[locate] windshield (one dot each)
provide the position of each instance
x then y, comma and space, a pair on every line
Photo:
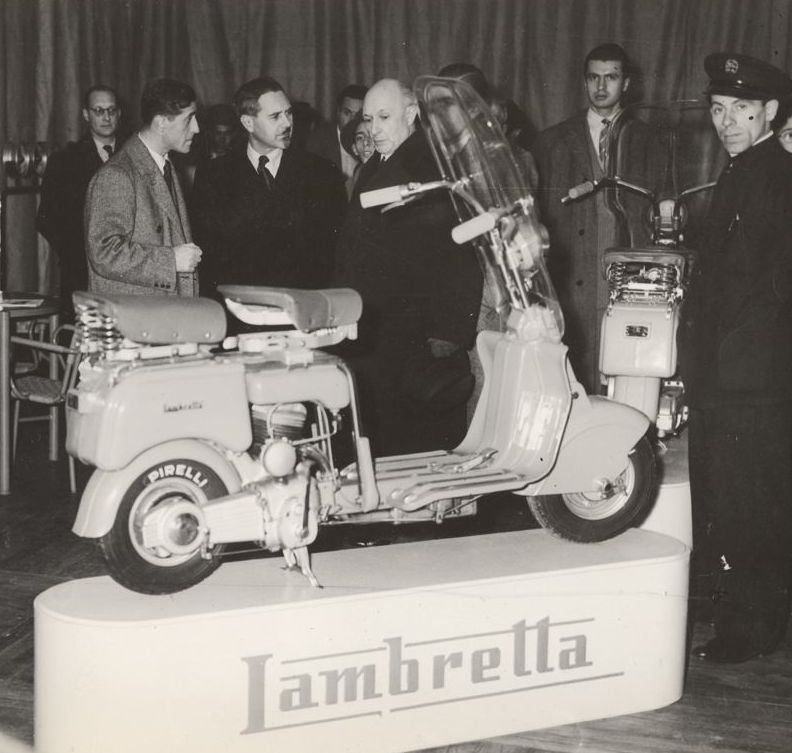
470, 147
667, 148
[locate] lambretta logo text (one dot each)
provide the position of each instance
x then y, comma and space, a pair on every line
398, 676
178, 407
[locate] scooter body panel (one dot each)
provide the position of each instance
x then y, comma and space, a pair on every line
117, 413
275, 382
597, 440
105, 489
524, 405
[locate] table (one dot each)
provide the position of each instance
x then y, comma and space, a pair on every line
49, 307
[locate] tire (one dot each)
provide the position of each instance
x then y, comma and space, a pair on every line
144, 569
578, 517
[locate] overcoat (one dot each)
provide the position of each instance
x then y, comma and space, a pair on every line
132, 225
582, 230
60, 213
282, 236
416, 283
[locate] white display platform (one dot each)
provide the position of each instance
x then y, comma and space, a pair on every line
672, 510
408, 646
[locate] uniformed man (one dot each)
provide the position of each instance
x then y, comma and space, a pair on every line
737, 360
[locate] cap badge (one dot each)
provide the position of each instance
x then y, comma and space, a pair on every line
731, 66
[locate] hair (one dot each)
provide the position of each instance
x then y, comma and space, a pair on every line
98, 88
165, 96
608, 51
470, 75
353, 91
246, 99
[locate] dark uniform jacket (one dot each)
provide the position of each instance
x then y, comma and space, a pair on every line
60, 214
737, 344
251, 234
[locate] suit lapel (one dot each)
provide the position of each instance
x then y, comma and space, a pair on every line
583, 150
148, 168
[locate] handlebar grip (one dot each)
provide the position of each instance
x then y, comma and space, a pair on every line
577, 191
380, 196
471, 229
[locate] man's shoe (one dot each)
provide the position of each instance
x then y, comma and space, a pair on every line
724, 651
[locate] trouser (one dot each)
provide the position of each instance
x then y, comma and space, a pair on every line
741, 486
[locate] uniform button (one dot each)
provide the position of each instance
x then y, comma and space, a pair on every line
579, 283
581, 231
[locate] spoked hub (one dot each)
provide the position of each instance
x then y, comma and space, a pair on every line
167, 525
609, 499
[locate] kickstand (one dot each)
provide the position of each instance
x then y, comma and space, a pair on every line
300, 559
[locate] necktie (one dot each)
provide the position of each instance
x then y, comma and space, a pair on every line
171, 181
168, 172
109, 149
265, 174
603, 141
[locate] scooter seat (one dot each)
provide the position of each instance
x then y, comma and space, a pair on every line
307, 310
158, 320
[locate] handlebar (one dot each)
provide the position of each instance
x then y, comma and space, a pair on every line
588, 187
395, 194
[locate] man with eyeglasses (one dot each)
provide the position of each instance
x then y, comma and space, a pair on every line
63, 188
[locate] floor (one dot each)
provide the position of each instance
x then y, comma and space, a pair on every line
729, 709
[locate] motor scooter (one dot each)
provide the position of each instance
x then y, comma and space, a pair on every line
201, 440
648, 282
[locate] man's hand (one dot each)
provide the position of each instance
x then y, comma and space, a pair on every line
442, 348
187, 257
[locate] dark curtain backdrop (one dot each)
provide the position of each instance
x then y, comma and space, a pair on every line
52, 50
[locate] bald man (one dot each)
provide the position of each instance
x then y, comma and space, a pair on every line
421, 292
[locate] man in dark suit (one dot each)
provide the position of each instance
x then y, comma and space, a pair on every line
737, 359
568, 154
65, 182
267, 214
421, 292
325, 139
137, 231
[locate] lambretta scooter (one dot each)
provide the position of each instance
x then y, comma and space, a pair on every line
201, 440
648, 282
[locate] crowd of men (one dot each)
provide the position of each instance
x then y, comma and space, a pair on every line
261, 211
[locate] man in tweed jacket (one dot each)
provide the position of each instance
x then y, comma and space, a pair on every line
138, 237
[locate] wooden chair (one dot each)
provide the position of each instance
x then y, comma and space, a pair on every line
64, 345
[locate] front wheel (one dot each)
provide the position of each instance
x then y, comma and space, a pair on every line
154, 546
597, 517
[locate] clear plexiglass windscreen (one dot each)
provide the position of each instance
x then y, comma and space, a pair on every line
667, 148
469, 145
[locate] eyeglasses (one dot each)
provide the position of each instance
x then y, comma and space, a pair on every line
361, 138
785, 136
111, 112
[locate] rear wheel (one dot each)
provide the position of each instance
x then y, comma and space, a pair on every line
602, 515
154, 546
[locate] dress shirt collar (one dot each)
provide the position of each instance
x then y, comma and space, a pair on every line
160, 159
273, 159
100, 148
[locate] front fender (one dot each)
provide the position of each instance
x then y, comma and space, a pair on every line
105, 489
597, 440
